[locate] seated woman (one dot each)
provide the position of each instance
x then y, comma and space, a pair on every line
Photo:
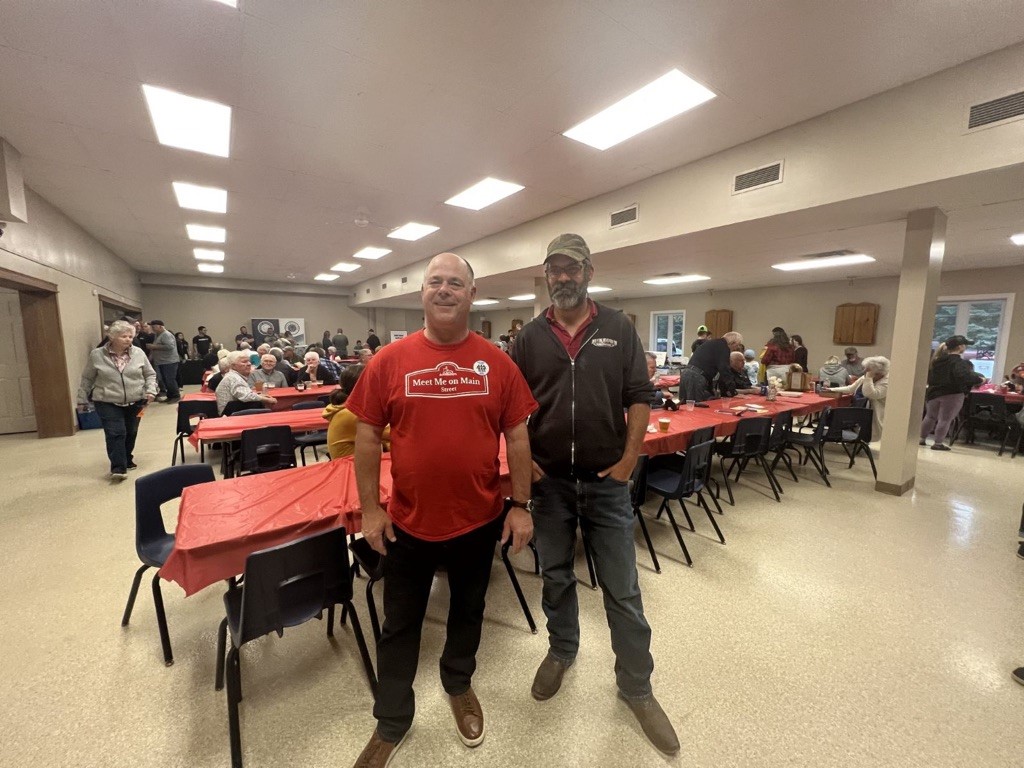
832, 373
341, 429
874, 385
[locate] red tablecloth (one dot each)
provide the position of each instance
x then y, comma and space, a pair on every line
668, 381
1010, 397
286, 396
231, 427
684, 423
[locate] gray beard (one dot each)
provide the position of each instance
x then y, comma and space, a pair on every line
568, 296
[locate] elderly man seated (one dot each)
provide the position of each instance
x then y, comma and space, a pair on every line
234, 387
315, 370
739, 382
267, 373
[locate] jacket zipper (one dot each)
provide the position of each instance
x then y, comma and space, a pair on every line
572, 377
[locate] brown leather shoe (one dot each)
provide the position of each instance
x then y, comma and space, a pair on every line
654, 722
548, 679
469, 717
377, 753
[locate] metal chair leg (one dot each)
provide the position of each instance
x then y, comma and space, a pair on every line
364, 654
711, 517
768, 475
725, 476
686, 514
647, 538
679, 537
132, 595
161, 620
234, 696
371, 606
222, 637
516, 586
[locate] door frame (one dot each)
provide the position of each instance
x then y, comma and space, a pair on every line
1004, 327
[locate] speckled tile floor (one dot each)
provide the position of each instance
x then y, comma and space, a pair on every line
840, 628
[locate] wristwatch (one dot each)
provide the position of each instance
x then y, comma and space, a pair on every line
527, 505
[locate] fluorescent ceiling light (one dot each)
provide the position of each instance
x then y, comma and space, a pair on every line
413, 231
597, 289
656, 102
198, 198
208, 254
523, 297
204, 234
1017, 239
371, 253
326, 277
673, 279
189, 123
206, 267
825, 261
484, 302
484, 193
232, 3
345, 266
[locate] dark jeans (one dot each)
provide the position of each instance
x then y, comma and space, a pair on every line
169, 373
408, 574
693, 386
604, 512
120, 426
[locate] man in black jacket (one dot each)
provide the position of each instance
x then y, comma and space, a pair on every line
696, 382
586, 366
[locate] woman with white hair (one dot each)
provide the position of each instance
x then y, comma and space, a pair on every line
119, 381
874, 385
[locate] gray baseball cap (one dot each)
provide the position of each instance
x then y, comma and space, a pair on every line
573, 246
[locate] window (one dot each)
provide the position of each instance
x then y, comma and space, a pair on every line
985, 320
667, 329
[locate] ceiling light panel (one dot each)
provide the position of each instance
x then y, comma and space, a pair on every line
523, 297
197, 198
371, 253
484, 302
203, 234
189, 123
231, 3
208, 254
1017, 239
326, 277
484, 193
673, 279
668, 96
597, 289
824, 262
345, 266
212, 268
413, 231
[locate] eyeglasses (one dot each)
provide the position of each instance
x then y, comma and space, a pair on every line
569, 270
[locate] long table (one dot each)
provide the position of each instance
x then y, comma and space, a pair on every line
286, 396
231, 427
683, 423
1009, 397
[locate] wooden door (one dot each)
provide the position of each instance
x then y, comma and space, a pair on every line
855, 323
17, 413
718, 321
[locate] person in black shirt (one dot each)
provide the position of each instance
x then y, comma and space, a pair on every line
703, 334
373, 341
710, 360
741, 384
201, 343
242, 335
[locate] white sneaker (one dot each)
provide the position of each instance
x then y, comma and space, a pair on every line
119, 475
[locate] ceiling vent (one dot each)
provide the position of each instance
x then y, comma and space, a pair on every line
626, 216
405, 280
764, 176
996, 110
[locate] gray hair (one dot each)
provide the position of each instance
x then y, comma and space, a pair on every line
831, 360
365, 353
236, 357
223, 365
311, 356
732, 337
263, 349
878, 363
118, 327
244, 345
278, 353
651, 356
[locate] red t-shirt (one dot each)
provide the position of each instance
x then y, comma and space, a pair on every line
447, 407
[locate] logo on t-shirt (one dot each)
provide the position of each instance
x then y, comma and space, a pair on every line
481, 367
447, 380
602, 342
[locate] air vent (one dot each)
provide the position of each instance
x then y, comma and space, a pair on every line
405, 280
367, 291
625, 216
383, 286
996, 110
764, 176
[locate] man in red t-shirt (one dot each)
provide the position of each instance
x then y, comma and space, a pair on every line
448, 396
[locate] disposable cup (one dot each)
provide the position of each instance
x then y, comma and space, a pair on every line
663, 424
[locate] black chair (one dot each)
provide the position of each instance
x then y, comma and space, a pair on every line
682, 481
241, 408
782, 429
284, 586
307, 405
813, 445
987, 411
749, 442
188, 410
312, 440
267, 449
325, 399
851, 428
153, 543
512, 573
637, 496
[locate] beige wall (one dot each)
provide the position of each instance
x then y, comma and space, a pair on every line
52, 247
807, 309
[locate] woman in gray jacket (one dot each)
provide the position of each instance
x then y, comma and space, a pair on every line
120, 382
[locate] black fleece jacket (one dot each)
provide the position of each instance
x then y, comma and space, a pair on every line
951, 375
580, 427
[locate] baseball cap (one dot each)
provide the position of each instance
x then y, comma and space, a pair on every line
958, 341
850, 351
573, 246
702, 329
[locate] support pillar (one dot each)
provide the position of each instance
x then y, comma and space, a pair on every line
923, 249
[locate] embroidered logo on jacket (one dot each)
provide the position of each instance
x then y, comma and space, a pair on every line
446, 380
604, 342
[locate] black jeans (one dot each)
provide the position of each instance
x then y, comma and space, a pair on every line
169, 374
120, 426
408, 574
